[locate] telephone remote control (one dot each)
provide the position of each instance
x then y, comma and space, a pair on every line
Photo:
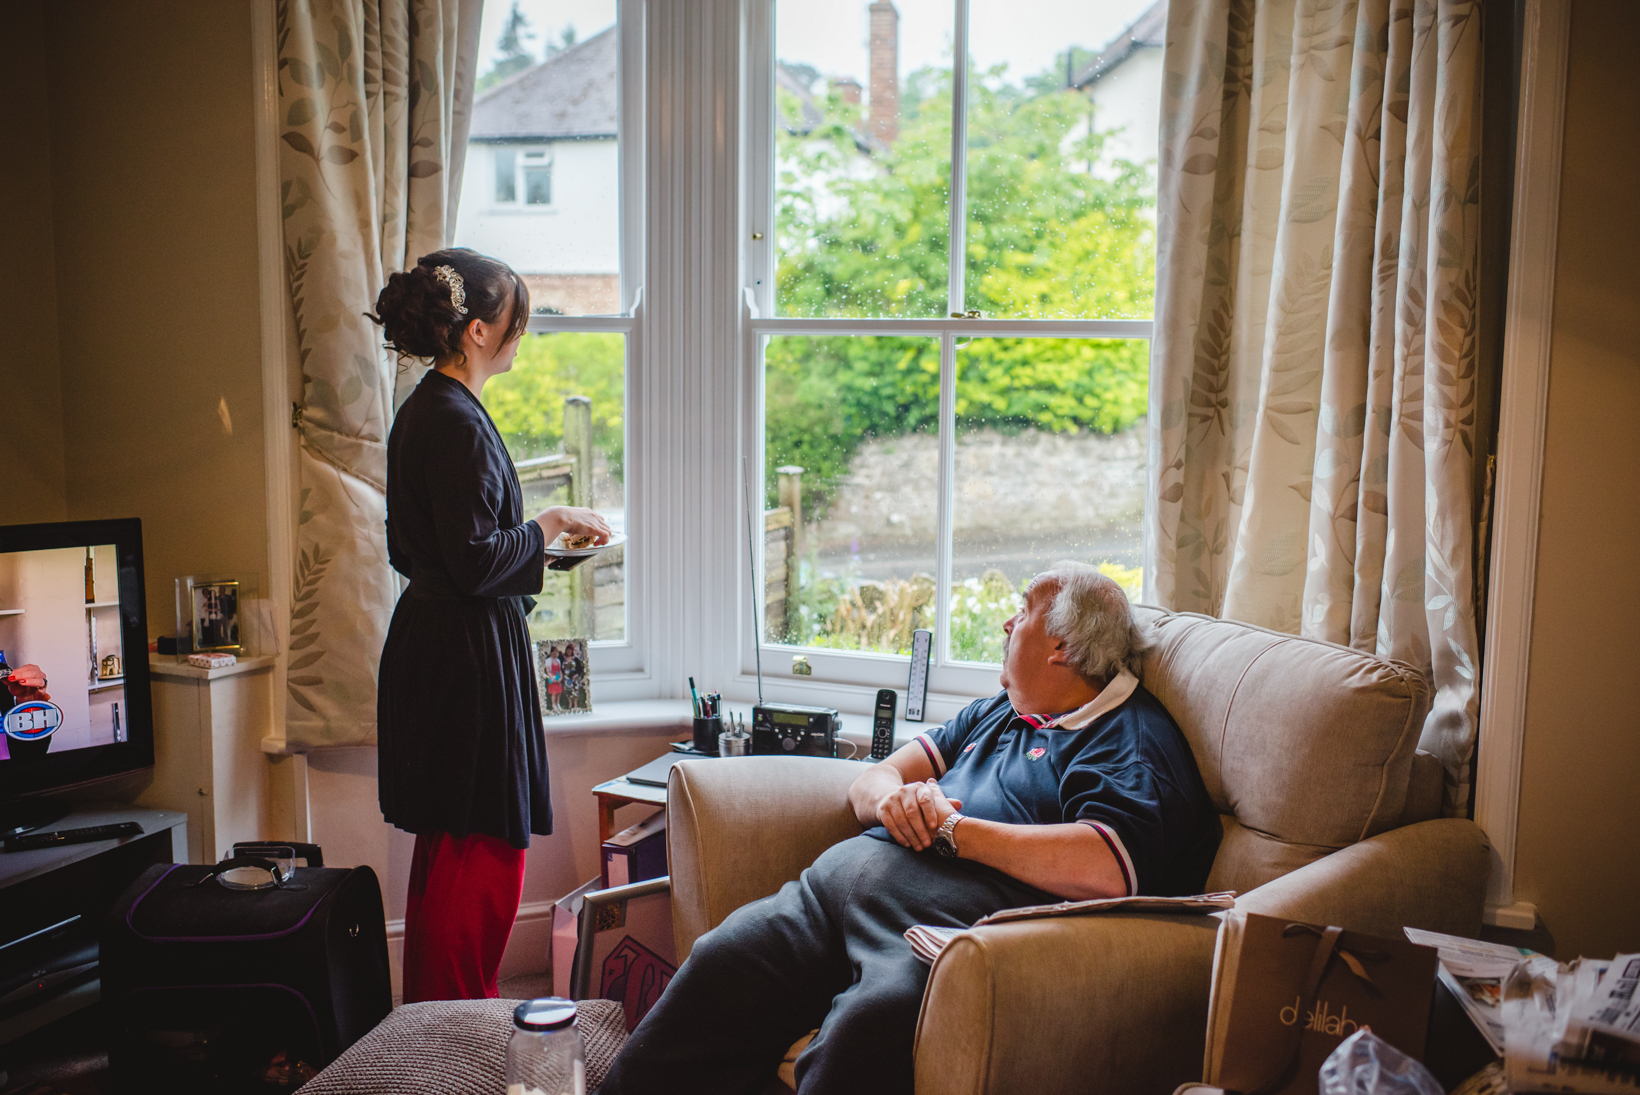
882, 724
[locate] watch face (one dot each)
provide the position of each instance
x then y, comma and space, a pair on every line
945, 846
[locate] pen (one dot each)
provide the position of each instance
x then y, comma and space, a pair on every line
694, 698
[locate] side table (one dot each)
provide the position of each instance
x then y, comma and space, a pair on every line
618, 792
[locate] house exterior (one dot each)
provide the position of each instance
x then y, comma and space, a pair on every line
541, 188
1124, 82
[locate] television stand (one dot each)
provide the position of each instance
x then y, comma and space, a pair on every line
52, 905
32, 813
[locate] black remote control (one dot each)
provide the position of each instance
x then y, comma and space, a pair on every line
30, 841
882, 724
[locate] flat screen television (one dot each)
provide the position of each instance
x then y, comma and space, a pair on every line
71, 602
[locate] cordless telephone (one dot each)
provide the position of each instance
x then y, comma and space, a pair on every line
882, 724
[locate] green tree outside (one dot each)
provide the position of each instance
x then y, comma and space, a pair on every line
527, 403
515, 55
1047, 237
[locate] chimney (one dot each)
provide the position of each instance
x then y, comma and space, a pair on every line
883, 120
847, 89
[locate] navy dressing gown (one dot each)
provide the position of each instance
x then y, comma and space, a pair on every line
460, 747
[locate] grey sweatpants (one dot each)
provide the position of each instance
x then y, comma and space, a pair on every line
827, 951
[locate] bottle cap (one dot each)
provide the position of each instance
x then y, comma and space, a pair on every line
547, 1013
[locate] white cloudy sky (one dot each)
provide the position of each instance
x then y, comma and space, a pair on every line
1024, 34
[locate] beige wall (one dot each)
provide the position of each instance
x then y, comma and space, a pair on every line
31, 442
154, 204
1578, 856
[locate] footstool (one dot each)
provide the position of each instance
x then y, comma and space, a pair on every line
456, 1047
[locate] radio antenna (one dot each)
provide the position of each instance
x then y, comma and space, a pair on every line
751, 560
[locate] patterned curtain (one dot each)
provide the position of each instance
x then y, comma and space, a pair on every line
1313, 387
374, 102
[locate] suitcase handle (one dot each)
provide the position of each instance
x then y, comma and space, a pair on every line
248, 861
310, 852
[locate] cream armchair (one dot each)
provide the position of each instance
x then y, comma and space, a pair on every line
1329, 814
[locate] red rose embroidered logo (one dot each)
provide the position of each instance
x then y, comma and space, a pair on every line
1037, 754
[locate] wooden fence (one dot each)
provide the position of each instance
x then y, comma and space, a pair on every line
598, 592
782, 548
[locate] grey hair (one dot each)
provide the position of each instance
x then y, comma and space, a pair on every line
1091, 615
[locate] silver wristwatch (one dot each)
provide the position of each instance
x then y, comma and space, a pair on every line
945, 842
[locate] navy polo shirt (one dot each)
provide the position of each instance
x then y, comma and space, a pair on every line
1120, 764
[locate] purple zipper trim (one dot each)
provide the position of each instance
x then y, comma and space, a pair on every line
132, 911
312, 1018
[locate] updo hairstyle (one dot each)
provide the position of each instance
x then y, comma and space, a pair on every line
419, 318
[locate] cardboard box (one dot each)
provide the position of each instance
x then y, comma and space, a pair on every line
636, 853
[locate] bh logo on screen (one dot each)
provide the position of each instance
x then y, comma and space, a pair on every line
32, 720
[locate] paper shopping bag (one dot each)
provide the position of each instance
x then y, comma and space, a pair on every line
1285, 993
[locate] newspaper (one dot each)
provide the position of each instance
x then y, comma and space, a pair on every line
1604, 1016
1474, 972
927, 940
1540, 1006
1572, 1028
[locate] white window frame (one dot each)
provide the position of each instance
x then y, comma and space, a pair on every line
619, 666
546, 158
837, 674
520, 152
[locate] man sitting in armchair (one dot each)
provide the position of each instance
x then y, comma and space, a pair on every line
1074, 782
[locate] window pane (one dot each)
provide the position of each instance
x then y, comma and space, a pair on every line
852, 437
556, 382
862, 158
1063, 109
538, 185
1050, 465
549, 79
506, 175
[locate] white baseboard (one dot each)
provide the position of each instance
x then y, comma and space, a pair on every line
528, 950
1521, 915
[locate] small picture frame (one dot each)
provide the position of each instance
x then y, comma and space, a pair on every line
564, 676
215, 609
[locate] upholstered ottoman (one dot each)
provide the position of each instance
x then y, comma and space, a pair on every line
456, 1047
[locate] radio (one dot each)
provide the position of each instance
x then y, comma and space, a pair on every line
792, 730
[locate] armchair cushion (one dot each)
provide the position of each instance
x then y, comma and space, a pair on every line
1306, 746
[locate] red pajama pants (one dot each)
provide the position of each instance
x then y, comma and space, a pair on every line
463, 899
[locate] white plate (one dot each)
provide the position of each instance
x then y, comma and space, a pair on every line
581, 553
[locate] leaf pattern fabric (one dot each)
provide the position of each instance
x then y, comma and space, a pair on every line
374, 102
1313, 371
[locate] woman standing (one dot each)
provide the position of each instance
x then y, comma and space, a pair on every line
461, 755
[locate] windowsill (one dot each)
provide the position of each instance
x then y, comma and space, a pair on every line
520, 210
648, 716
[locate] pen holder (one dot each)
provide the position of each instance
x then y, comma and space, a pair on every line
706, 734
733, 744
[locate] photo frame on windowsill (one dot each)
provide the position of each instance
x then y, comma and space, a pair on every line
564, 676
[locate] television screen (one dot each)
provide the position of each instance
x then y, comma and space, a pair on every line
60, 612
71, 611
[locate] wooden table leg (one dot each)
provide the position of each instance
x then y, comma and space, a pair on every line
607, 805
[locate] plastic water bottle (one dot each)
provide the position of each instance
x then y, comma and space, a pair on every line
544, 1054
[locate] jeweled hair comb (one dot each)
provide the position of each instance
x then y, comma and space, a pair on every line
458, 288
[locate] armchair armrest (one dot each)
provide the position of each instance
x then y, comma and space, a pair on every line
1074, 1004
738, 828
1123, 1000
1429, 875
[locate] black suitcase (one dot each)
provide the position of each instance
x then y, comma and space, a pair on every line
207, 988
